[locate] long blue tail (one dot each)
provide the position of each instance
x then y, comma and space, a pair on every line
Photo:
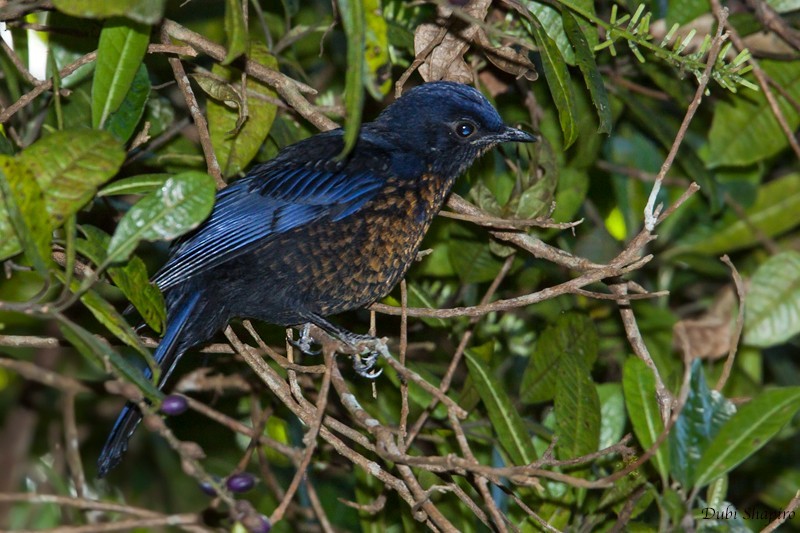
169, 351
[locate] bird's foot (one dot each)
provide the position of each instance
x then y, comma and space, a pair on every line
305, 342
371, 349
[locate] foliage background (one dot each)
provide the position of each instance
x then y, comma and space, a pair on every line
638, 391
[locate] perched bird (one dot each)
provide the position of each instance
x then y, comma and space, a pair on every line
310, 234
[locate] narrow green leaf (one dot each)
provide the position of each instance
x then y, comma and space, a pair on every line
506, 421
639, 387
558, 80
353, 20
573, 333
612, 414
584, 55
181, 204
744, 129
236, 138
145, 11
703, 414
775, 211
552, 24
122, 46
377, 62
577, 408
122, 122
130, 277
747, 431
140, 184
25, 212
100, 353
69, 165
235, 31
772, 306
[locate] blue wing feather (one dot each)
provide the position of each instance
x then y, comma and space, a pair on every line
276, 197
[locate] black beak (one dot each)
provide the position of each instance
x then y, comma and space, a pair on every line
509, 134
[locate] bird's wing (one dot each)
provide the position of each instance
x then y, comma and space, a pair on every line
272, 199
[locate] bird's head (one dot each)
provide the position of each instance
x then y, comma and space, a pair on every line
448, 124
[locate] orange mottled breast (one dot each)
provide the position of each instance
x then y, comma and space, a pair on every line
382, 238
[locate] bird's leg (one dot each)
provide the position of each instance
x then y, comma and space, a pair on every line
305, 342
369, 348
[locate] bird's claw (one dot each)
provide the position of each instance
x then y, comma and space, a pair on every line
305, 342
364, 365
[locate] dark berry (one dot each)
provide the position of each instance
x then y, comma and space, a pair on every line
241, 482
174, 405
208, 489
258, 524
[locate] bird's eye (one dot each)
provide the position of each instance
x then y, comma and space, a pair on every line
465, 129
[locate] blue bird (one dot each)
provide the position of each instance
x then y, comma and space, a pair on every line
309, 234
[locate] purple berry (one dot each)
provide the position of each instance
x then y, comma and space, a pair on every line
260, 525
241, 482
208, 489
174, 405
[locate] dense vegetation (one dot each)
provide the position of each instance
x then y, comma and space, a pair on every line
555, 365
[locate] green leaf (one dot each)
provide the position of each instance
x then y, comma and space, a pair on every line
181, 204
577, 408
235, 144
145, 11
122, 46
772, 306
746, 432
25, 213
354, 22
584, 55
639, 387
506, 421
744, 130
122, 122
472, 261
776, 210
70, 165
130, 277
558, 80
702, 416
552, 24
573, 333
612, 414
235, 31
98, 352
377, 62
140, 184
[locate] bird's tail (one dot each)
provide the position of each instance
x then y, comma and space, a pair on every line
169, 351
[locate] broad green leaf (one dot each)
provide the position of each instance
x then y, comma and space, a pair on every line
130, 277
746, 432
235, 31
506, 421
236, 144
69, 165
684, 11
577, 408
772, 306
539, 186
776, 210
140, 184
639, 387
703, 414
572, 333
23, 211
377, 62
354, 23
100, 353
122, 122
122, 46
181, 204
612, 414
584, 56
472, 261
784, 6
146, 11
558, 80
744, 130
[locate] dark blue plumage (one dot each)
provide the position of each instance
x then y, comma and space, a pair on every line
309, 234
